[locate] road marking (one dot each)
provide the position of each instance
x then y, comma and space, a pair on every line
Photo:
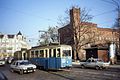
88, 72
93, 73
107, 74
78, 71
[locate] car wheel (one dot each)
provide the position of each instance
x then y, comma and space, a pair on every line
97, 67
82, 66
34, 70
11, 70
105, 67
101, 68
21, 72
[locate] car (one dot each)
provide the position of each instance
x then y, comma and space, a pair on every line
22, 66
10, 60
2, 62
94, 63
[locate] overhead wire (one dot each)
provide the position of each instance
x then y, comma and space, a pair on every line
28, 14
104, 13
109, 2
47, 18
116, 3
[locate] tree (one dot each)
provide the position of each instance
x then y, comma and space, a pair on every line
62, 21
116, 4
83, 32
84, 35
49, 36
53, 32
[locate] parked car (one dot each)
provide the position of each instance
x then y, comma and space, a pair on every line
22, 66
2, 62
95, 63
10, 60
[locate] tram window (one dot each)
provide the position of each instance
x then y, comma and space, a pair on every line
54, 52
58, 52
36, 53
50, 53
41, 53
66, 53
32, 54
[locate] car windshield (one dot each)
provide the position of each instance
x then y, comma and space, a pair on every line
66, 53
100, 60
25, 63
1, 60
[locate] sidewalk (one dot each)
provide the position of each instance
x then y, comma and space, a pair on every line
115, 66
75, 63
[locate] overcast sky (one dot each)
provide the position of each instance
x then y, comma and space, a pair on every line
30, 16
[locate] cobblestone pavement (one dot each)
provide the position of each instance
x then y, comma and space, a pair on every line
76, 73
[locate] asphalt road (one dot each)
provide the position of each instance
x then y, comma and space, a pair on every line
76, 73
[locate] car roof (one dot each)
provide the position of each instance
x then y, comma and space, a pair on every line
21, 61
95, 58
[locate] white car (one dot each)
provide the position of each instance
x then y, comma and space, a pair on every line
10, 60
95, 63
22, 66
2, 62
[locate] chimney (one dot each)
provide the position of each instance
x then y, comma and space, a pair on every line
75, 16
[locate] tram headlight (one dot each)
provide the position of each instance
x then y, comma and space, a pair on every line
67, 62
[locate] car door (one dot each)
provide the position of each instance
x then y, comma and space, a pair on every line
88, 63
17, 66
13, 65
93, 63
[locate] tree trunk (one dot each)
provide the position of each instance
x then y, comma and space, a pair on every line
75, 55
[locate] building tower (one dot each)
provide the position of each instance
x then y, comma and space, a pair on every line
75, 16
75, 25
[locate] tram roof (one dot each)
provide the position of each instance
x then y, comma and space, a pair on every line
49, 46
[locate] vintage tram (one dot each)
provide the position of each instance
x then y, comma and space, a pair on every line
51, 56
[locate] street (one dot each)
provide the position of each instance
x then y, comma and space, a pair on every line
76, 73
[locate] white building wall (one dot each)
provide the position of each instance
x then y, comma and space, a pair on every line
10, 45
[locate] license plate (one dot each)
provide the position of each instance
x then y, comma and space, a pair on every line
30, 71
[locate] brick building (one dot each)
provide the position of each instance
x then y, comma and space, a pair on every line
84, 34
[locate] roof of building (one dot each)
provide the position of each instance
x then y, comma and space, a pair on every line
97, 48
1, 35
82, 23
10, 36
89, 23
19, 33
104, 29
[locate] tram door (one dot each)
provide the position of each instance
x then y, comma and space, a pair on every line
23, 55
